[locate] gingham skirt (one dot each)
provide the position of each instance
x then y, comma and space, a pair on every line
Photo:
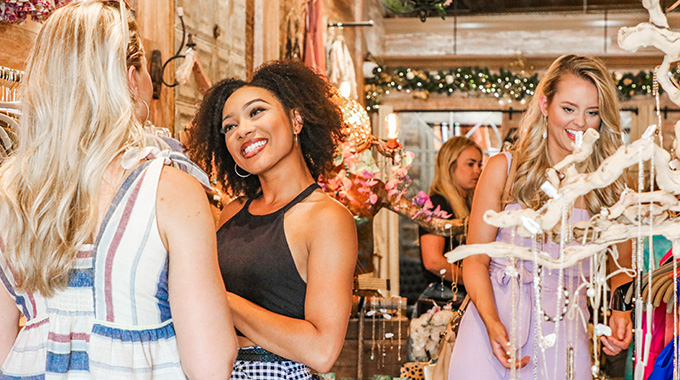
266, 370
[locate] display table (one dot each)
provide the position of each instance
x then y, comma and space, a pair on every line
388, 353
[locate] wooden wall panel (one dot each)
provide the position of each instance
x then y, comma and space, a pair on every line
17, 42
156, 19
219, 29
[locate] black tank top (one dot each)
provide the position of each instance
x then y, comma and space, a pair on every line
256, 261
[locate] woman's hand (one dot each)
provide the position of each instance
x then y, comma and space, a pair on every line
620, 321
622, 333
500, 345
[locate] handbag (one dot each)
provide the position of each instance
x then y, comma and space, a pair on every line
440, 369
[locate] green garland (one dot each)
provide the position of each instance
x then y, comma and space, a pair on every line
504, 85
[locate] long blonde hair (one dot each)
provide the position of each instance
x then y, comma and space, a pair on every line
531, 150
446, 184
78, 115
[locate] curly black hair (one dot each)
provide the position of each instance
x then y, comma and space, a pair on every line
297, 87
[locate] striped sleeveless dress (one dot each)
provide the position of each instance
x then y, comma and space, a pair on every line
113, 321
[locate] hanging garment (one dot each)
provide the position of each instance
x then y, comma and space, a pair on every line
341, 66
293, 36
315, 56
663, 366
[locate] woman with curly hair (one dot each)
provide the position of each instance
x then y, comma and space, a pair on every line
287, 250
577, 93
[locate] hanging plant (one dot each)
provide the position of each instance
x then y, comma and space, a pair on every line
423, 8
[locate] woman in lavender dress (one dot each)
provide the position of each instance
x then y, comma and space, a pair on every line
575, 94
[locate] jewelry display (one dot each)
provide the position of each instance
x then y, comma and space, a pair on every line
399, 314
371, 313
511, 270
381, 342
570, 363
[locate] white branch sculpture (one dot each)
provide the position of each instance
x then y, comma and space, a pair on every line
607, 231
655, 33
635, 215
656, 15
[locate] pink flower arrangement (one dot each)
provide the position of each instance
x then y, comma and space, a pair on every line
358, 182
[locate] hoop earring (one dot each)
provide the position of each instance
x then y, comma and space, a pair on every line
147, 110
239, 174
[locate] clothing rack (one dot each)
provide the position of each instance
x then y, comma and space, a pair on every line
350, 24
665, 110
10, 109
10, 77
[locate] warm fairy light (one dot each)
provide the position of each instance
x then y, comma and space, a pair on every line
345, 90
392, 127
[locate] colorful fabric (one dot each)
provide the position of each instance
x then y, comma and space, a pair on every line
662, 323
315, 51
663, 366
113, 320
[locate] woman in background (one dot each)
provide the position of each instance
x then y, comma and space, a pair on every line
576, 94
457, 169
107, 252
287, 250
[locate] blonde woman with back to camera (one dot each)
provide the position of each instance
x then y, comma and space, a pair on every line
576, 93
108, 254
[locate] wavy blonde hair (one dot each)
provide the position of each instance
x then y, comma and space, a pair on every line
444, 183
78, 115
531, 149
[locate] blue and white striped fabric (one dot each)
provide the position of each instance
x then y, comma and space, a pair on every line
113, 321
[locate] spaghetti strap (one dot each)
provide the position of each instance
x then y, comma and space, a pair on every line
508, 157
304, 194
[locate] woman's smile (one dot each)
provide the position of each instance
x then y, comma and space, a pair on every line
253, 147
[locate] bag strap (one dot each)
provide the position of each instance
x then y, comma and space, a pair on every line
463, 305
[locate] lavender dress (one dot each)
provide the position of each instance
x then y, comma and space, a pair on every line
472, 357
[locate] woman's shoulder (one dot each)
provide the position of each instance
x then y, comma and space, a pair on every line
178, 191
321, 214
323, 205
494, 176
499, 164
327, 225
